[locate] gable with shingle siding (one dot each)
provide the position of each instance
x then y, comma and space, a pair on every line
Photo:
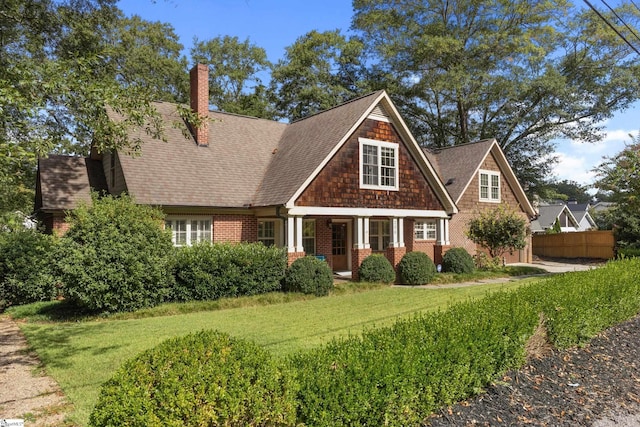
338, 184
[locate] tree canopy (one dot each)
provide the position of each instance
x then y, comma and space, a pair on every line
525, 72
619, 176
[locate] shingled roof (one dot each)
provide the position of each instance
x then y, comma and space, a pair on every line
457, 165
64, 182
179, 172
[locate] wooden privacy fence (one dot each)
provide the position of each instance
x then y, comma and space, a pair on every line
583, 244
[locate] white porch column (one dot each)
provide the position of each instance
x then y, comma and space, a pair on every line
397, 232
359, 233
291, 229
299, 247
367, 244
443, 231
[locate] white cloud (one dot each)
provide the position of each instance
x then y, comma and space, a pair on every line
574, 168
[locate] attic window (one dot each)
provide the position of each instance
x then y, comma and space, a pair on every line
378, 165
489, 186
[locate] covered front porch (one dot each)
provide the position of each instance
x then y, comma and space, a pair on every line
344, 237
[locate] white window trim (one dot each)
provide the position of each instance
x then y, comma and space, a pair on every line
422, 226
275, 231
188, 219
379, 145
489, 175
313, 222
380, 235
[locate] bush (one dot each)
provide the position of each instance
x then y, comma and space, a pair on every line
309, 275
416, 268
376, 268
399, 375
457, 260
628, 252
116, 257
26, 268
484, 262
207, 272
206, 378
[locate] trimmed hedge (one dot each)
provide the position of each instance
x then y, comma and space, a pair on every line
400, 374
206, 378
309, 275
394, 376
458, 260
27, 272
416, 268
208, 272
115, 256
376, 268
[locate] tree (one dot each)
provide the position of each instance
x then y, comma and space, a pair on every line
319, 71
620, 175
525, 72
235, 85
59, 65
498, 230
568, 190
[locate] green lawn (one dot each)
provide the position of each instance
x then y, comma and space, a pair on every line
82, 355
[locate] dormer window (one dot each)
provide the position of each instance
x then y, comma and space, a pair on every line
378, 165
489, 186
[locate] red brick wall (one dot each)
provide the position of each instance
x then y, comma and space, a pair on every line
394, 255
470, 205
292, 256
235, 228
338, 184
357, 256
323, 240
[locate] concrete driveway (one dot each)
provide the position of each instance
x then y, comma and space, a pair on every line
565, 265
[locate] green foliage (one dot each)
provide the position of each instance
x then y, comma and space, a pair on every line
399, 375
628, 252
234, 82
207, 378
620, 175
208, 272
308, 275
116, 257
416, 268
376, 268
457, 260
484, 262
467, 71
498, 230
319, 71
26, 268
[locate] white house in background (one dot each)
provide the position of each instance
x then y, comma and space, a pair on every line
550, 214
582, 215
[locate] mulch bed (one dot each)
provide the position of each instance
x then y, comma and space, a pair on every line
573, 387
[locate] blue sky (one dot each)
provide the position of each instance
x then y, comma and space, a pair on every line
276, 24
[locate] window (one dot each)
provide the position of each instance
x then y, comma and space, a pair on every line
425, 230
378, 164
309, 236
187, 231
379, 236
489, 186
267, 232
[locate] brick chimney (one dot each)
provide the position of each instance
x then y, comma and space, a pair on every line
199, 79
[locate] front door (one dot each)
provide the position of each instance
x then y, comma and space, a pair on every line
339, 246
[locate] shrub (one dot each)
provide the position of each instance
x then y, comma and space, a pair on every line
26, 268
207, 378
628, 252
482, 261
398, 375
376, 268
499, 230
116, 257
308, 275
207, 272
457, 260
416, 268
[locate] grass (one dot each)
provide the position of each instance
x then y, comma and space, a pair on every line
83, 351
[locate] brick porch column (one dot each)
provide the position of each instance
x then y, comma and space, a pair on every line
292, 256
357, 256
394, 255
438, 253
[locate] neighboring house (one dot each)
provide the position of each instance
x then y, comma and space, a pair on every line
478, 178
602, 206
342, 184
583, 217
550, 214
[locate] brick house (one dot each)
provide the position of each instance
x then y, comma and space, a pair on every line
342, 183
478, 177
